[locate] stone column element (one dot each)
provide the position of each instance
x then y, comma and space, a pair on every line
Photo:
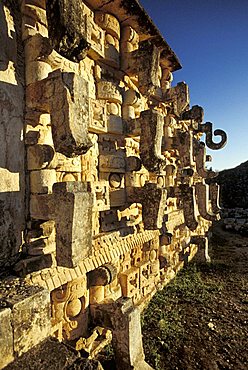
124, 321
202, 253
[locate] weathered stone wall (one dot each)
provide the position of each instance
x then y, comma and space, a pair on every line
12, 158
117, 200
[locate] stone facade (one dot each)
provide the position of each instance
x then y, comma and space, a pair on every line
103, 191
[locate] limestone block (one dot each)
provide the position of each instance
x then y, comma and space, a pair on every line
97, 47
202, 193
70, 206
69, 304
66, 97
6, 338
42, 181
112, 163
187, 195
98, 116
31, 321
100, 191
179, 97
130, 282
69, 28
144, 62
151, 123
127, 337
112, 36
153, 206
109, 23
30, 313
108, 90
34, 18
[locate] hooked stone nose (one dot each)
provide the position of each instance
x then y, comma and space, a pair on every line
207, 128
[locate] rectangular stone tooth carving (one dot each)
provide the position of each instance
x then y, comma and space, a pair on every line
70, 205
65, 96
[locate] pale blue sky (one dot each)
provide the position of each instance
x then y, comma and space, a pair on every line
210, 39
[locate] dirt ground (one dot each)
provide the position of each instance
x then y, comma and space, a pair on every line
200, 320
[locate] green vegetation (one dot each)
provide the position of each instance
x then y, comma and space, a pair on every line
163, 322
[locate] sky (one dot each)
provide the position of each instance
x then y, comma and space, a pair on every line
210, 38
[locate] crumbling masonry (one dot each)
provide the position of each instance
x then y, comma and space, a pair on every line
103, 185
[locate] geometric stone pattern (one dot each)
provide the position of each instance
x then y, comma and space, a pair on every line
117, 188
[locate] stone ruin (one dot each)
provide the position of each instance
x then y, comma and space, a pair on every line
103, 185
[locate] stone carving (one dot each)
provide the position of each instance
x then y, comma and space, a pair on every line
151, 124
143, 62
112, 36
65, 97
68, 302
207, 128
178, 96
189, 206
116, 200
200, 159
72, 217
69, 28
202, 193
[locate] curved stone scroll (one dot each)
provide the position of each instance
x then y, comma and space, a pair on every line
207, 128
202, 201
189, 206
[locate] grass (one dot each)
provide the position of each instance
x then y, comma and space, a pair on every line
163, 320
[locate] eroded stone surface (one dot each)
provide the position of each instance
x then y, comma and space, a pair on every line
29, 313
117, 196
